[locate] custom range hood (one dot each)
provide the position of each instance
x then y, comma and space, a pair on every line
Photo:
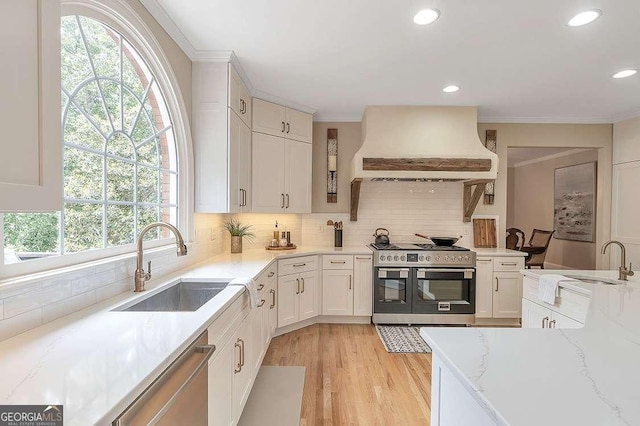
421, 143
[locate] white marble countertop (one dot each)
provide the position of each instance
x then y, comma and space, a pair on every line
95, 361
491, 252
525, 377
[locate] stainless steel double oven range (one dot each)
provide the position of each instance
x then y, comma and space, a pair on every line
423, 284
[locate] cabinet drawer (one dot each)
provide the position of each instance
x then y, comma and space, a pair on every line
572, 304
297, 264
267, 277
508, 263
334, 261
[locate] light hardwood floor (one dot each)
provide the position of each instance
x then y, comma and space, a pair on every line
350, 378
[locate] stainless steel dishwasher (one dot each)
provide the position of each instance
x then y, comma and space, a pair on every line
178, 396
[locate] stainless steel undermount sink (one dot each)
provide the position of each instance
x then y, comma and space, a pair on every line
183, 296
595, 280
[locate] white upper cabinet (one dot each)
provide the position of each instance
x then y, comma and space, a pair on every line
239, 97
277, 120
31, 160
221, 140
297, 160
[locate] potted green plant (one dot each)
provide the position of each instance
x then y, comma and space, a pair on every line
237, 231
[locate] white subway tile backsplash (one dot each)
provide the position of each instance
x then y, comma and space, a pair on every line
113, 289
19, 304
1, 309
20, 323
91, 282
67, 306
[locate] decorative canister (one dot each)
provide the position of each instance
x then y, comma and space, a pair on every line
236, 244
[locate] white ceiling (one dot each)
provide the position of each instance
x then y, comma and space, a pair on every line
517, 60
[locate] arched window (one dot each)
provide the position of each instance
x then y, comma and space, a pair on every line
120, 168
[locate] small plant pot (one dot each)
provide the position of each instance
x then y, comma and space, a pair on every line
236, 244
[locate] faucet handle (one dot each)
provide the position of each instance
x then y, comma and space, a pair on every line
147, 276
630, 270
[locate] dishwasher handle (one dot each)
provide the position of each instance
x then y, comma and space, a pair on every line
196, 349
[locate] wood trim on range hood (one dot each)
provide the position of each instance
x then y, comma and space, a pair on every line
428, 164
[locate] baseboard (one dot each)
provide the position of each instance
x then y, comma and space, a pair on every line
323, 319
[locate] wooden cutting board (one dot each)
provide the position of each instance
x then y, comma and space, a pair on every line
484, 233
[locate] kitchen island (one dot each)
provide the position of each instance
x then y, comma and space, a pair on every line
96, 361
523, 377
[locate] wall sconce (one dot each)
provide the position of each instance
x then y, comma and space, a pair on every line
492, 145
332, 165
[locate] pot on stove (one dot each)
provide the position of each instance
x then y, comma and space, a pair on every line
382, 236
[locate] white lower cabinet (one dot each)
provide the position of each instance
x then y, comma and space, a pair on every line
221, 386
498, 287
568, 311
297, 289
347, 285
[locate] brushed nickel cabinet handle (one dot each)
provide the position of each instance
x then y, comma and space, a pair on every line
483, 260
271, 274
288, 127
552, 324
297, 265
350, 283
509, 264
497, 283
543, 321
261, 304
238, 365
302, 279
282, 201
260, 287
282, 127
362, 258
297, 286
338, 261
287, 202
273, 298
242, 358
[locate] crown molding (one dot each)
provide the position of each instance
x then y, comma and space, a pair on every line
281, 101
338, 118
544, 120
552, 156
165, 21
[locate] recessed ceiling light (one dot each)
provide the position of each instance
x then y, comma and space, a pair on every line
624, 73
426, 16
584, 18
451, 89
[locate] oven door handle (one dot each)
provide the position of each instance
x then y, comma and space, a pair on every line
394, 269
446, 270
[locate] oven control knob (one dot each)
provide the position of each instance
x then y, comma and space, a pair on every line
388, 257
446, 258
403, 258
382, 257
467, 258
437, 259
395, 258
459, 258
421, 258
428, 258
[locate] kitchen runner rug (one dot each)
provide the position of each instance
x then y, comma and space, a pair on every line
276, 397
402, 339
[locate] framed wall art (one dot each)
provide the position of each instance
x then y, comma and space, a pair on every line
575, 202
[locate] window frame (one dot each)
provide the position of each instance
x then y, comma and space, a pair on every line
120, 16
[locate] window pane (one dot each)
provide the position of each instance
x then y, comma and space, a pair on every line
148, 153
82, 175
120, 225
147, 215
148, 185
75, 66
120, 145
103, 45
119, 180
130, 108
78, 130
82, 227
111, 95
90, 102
30, 236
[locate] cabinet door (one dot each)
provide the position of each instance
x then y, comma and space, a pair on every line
337, 292
220, 386
268, 118
244, 168
257, 337
268, 173
308, 299
246, 104
507, 295
297, 177
31, 160
235, 196
299, 125
563, 321
287, 296
239, 100
484, 287
363, 285
243, 366
534, 315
